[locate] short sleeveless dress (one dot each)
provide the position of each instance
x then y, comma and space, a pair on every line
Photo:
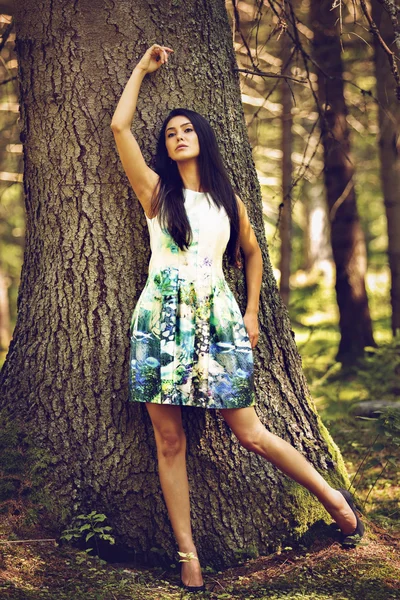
188, 342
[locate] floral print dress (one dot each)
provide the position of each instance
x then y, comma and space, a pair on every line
188, 342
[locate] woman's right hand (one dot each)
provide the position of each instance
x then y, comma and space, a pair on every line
154, 57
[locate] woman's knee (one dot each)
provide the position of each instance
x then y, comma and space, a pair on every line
171, 441
254, 439
168, 429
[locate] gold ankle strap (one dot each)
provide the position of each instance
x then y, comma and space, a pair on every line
187, 556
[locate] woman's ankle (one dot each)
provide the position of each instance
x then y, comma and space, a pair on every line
188, 553
187, 546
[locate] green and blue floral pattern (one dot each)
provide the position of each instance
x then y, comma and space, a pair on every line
188, 343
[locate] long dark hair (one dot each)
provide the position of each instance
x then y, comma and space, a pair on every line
168, 200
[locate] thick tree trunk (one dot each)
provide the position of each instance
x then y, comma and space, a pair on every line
347, 237
389, 149
85, 265
285, 217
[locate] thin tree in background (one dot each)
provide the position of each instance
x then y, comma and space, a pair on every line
317, 244
347, 236
5, 332
11, 213
389, 151
285, 216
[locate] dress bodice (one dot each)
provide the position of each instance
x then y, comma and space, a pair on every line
210, 235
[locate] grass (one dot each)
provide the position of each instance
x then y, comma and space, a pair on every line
317, 568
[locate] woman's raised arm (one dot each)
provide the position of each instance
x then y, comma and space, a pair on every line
142, 179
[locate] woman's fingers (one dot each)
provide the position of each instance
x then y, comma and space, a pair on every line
251, 325
165, 53
162, 50
158, 55
253, 339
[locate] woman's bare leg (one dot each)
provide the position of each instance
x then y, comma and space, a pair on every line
171, 453
252, 434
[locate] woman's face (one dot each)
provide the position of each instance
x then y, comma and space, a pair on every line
181, 139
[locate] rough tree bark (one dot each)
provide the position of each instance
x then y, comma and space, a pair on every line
85, 265
347, 237
389, 150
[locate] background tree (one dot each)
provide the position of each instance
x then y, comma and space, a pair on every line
389, 150
317, 244
84, 267
7, 7
11, 213
285, 221
347, 237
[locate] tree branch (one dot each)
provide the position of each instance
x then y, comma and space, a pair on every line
8, 80
237, 21
393, 12
270, 74
6, 34
391, 55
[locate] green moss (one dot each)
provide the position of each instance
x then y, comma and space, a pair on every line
14, 463
22, 469
339, 477
308, 509
8, 488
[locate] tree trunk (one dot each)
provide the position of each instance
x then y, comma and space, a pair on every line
392, 10
347, 237
7, 7
285, 217
85, 265
317, 245
389, 150
5, 327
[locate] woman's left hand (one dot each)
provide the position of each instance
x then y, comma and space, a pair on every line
251, 323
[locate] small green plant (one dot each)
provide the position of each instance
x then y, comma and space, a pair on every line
389, 422
242, 554
387, 425
89, 527
386, 438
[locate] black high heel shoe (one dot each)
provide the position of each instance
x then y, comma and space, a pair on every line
352, 539
187, 557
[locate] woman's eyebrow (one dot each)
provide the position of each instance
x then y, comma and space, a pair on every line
183, 125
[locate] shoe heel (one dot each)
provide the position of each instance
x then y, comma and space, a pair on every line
352, 539
187, 557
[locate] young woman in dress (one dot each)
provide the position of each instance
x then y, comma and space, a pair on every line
185, 161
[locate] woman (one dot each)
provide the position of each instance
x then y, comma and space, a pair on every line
189, 342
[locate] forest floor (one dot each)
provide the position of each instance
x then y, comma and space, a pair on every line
317, 568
